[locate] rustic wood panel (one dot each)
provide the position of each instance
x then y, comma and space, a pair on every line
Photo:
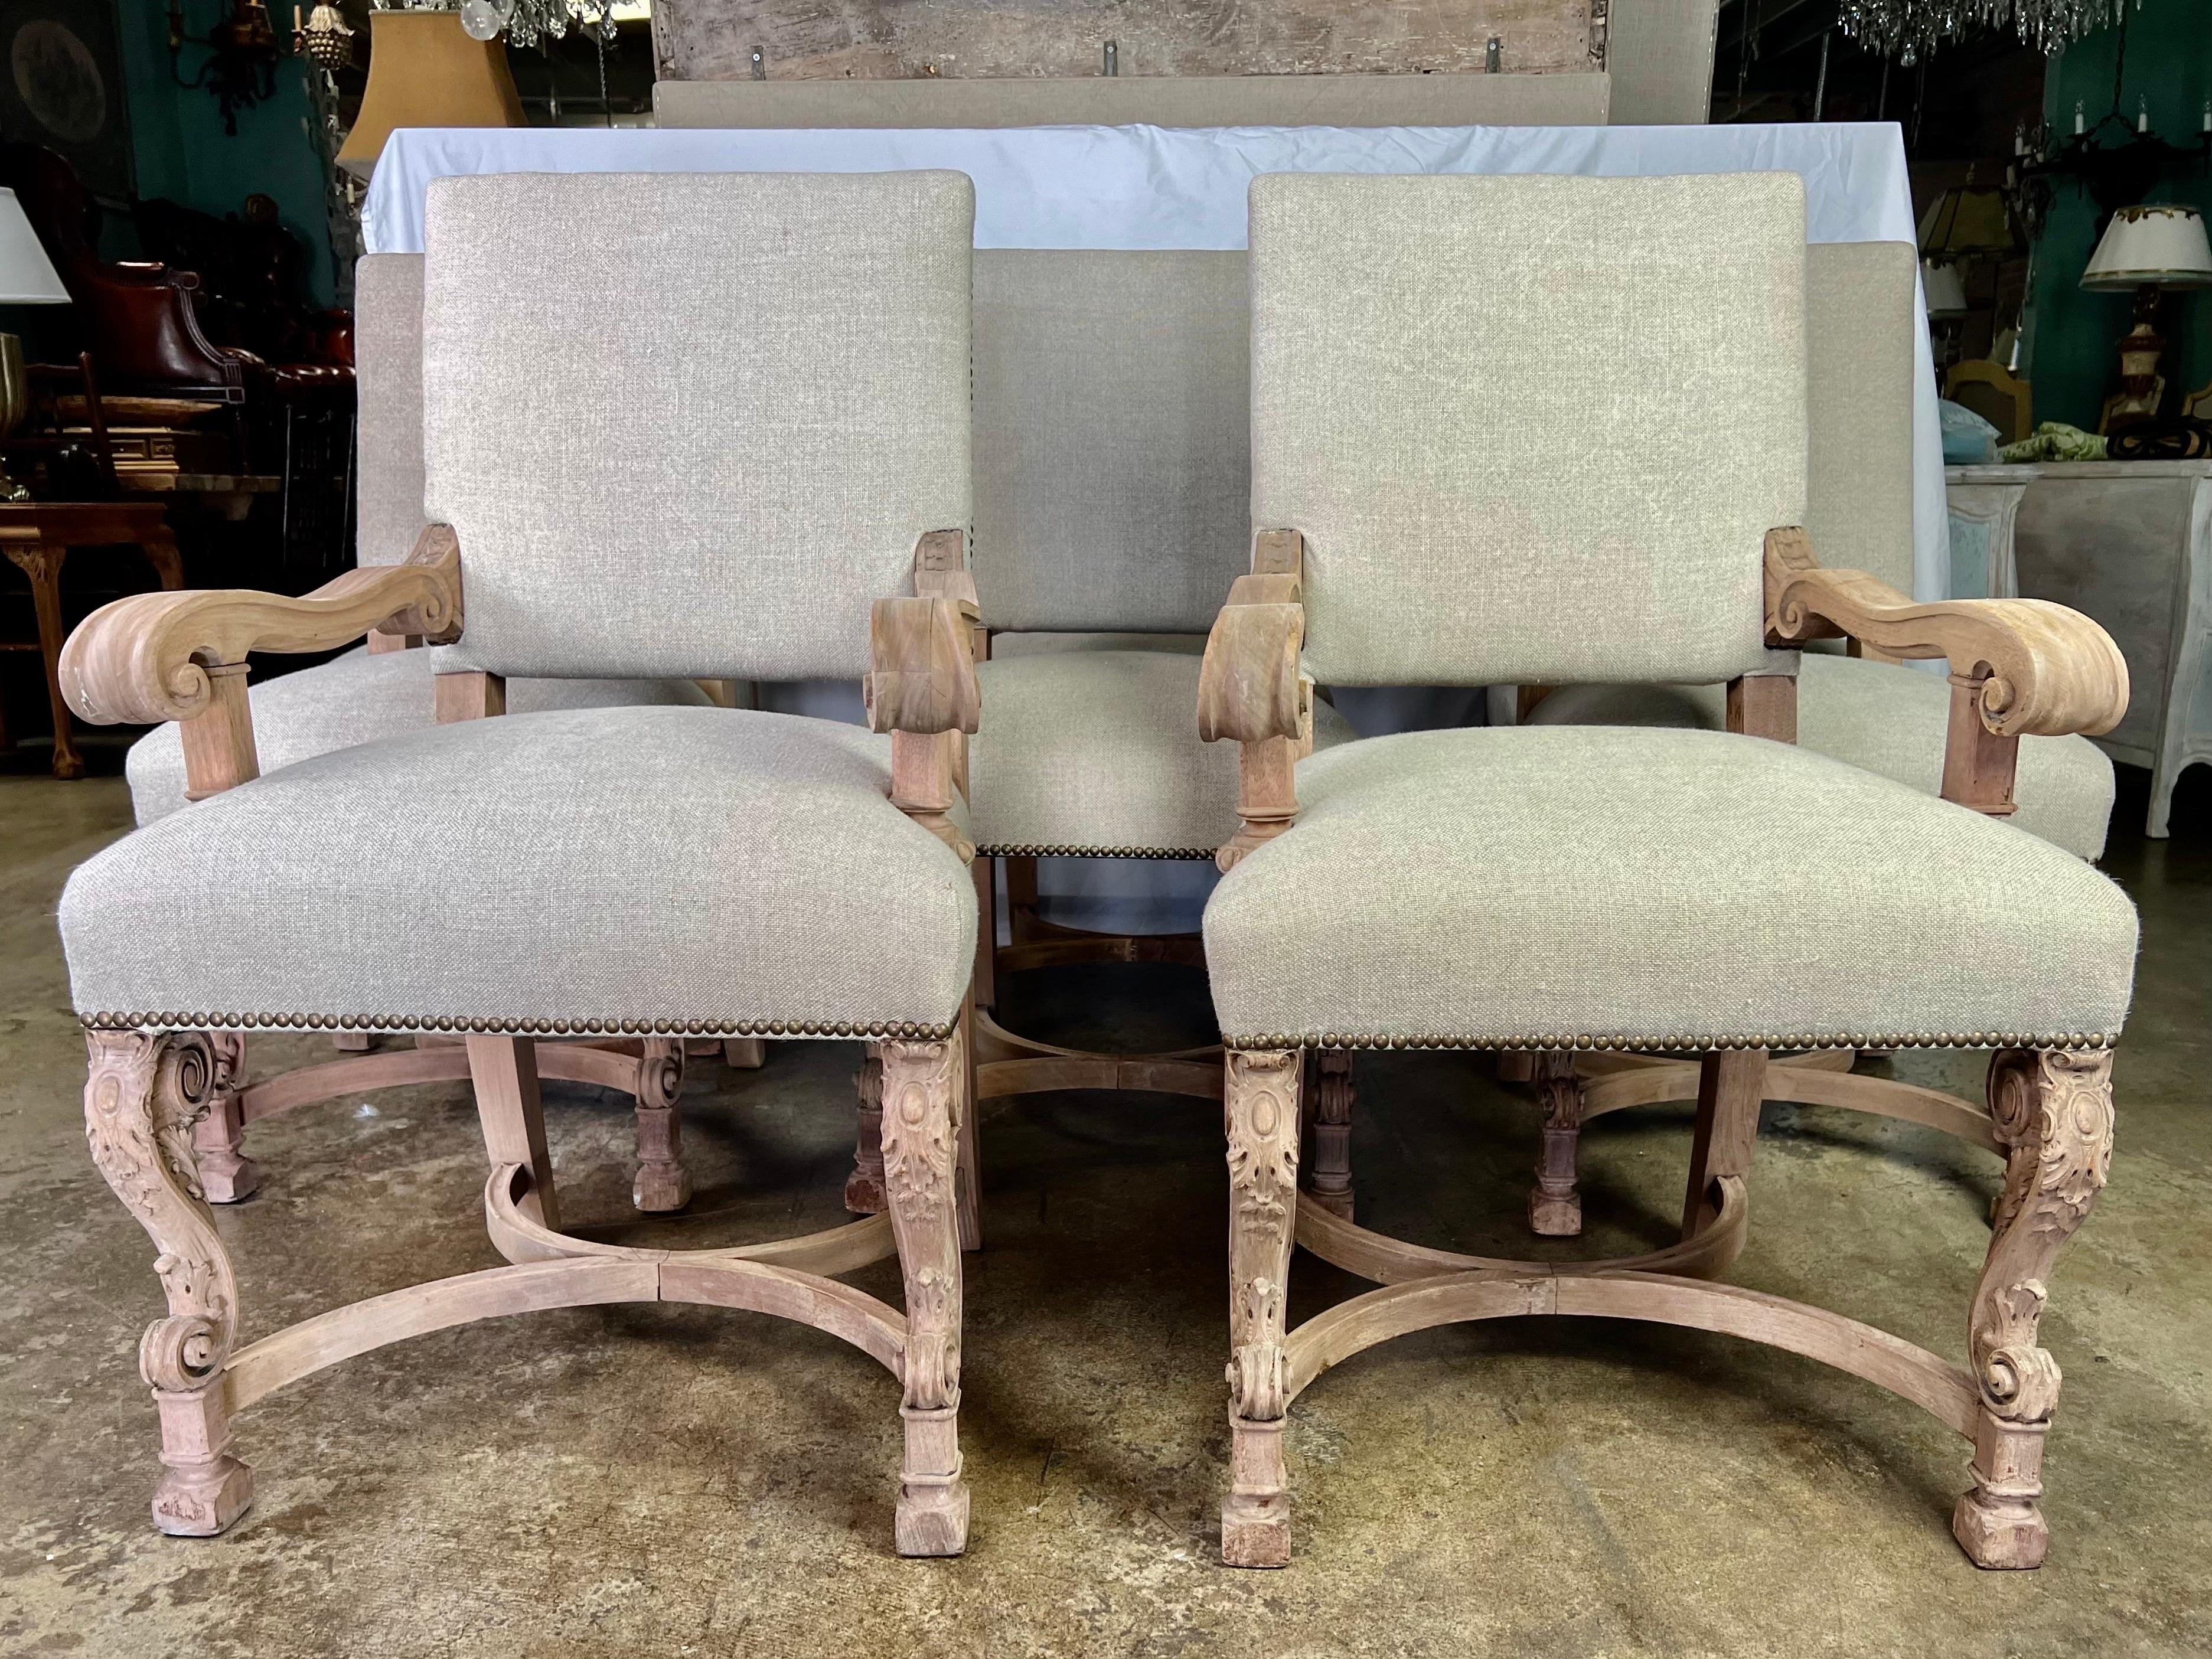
890, 39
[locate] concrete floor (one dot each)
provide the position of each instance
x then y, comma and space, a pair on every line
650, 1480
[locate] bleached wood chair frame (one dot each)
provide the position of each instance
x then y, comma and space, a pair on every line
155, 1077
2018, 667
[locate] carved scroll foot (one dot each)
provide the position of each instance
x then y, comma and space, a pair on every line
1555, 1208
1998, 1522
1260, 1107
1330, 1182
932, 1502
662, 1182
864, 1187
919, 1083
226, 1175
2053, 1112
145, 1096
204, 1488
1255, 1516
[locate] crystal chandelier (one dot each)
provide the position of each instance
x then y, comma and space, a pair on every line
529, 23
1906, 29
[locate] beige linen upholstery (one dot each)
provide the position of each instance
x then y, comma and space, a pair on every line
387, 298
1718, 890
1158, 100
1112, 438
1097, 752
715, 864
1540, 502
1659, 55
621, 516
1862, 319
1885, 719
358, 698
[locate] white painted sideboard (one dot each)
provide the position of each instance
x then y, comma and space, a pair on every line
2128, 543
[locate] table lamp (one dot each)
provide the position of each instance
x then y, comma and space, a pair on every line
2147, 248
425, 72
1945, 292
27, 278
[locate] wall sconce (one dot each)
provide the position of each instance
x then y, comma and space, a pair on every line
241, 67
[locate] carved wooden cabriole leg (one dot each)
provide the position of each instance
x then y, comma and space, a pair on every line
2053, 1111
1555, 1208
226, 1175
1260, 1113
920, 1081
1331, 1180
864, 1187
503, 1071
662, 1182
143, 1095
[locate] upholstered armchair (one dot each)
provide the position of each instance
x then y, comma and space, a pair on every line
382, 691
1439, 503
1112, 409
1861, 316
754, 467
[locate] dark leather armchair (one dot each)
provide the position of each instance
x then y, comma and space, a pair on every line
138, 317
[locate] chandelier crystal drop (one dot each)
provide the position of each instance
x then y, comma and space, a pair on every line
1912, 28
529, 21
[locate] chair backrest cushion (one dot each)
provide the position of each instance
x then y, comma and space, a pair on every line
1534, 429
388, 371
692, 424
1112, 438
1861, 315
1158, 100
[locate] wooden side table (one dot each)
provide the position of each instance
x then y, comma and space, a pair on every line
37, 536
2130, 543
1984, 509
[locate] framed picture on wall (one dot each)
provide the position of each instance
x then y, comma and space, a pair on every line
61, 85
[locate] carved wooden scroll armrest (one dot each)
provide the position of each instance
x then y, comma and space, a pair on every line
181, 655
920, 685
152, 657
1250, 691
2019, 667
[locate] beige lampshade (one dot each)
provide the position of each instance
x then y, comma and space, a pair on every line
1946, 294
424, 71
27, 276
2160, 243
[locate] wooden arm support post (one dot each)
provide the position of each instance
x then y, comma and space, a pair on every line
181, 655
2019, 667
920, 685
1249, 689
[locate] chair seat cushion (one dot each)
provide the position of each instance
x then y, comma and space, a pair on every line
585, 865
1552, 885
1096, 752
356, 698
1887, 719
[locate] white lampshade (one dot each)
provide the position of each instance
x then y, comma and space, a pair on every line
2161, 243
27, 276
1946, 294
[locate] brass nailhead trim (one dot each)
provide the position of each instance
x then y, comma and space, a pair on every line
401, 1025
1064, 851
1675, 1043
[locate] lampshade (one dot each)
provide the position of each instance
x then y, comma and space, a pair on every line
1968, 222
27, 276
2162, 244
424, 71
1946, 294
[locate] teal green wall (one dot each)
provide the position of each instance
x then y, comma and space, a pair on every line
2169, 60
183, 153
